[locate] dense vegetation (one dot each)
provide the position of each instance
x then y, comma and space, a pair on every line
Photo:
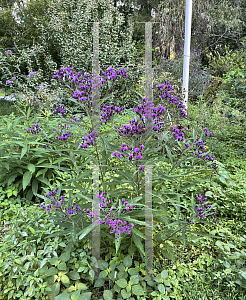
46, 256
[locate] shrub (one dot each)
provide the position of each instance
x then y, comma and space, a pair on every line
197, 76
221, 65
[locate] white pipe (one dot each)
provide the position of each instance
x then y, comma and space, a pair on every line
188, 15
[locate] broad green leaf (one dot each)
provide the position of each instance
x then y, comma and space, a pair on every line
26, 179
75, 295
219, 244
12, 178
31, 168
34, 186
65, 256
164, 274
103, 264
63, 296
99, 282
64, 279
85, 296
125, 294
127, 261
62, 266
74, 275
52, 271
137, 290
161, 288
107, 295
121, 283
134, 280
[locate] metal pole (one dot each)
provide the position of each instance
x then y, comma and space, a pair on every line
188, 15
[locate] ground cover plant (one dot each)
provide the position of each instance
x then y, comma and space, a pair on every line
47, 154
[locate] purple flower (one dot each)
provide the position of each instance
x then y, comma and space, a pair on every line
40, 87
9, 81
31, 54
9, 51
31, 73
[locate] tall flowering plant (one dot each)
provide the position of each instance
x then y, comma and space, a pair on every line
122, 151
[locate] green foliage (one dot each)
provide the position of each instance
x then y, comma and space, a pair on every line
6, 107
23, 164
17, 65
197, 76
32, 265
221, 65
67, 28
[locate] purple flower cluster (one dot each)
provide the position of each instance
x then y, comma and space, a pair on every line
201, 145
163, 93
65, 135
179, 135
135, 127
60, 109
89, 140
86, 81
75, 119
9, 81
31, 54
108, 112
207, 132
57, 204
36, 130
115, 224
134, 155
31, 74
203, 208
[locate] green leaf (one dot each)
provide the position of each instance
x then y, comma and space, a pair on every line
134, 280
63, 296
85, 231
64, 279
51, 271
34, 186
62, 266
137, 290
107, 295
161, 288
23, 152
31, 168
164, 274
138, 243
32, 230
103, 264
65, 256
75, 295
26, 179
85, 296
74, 275
12, 178
99, 282
125, 294
244, 274
138, 232
219, 244
127, 261
121, 283
55, 289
